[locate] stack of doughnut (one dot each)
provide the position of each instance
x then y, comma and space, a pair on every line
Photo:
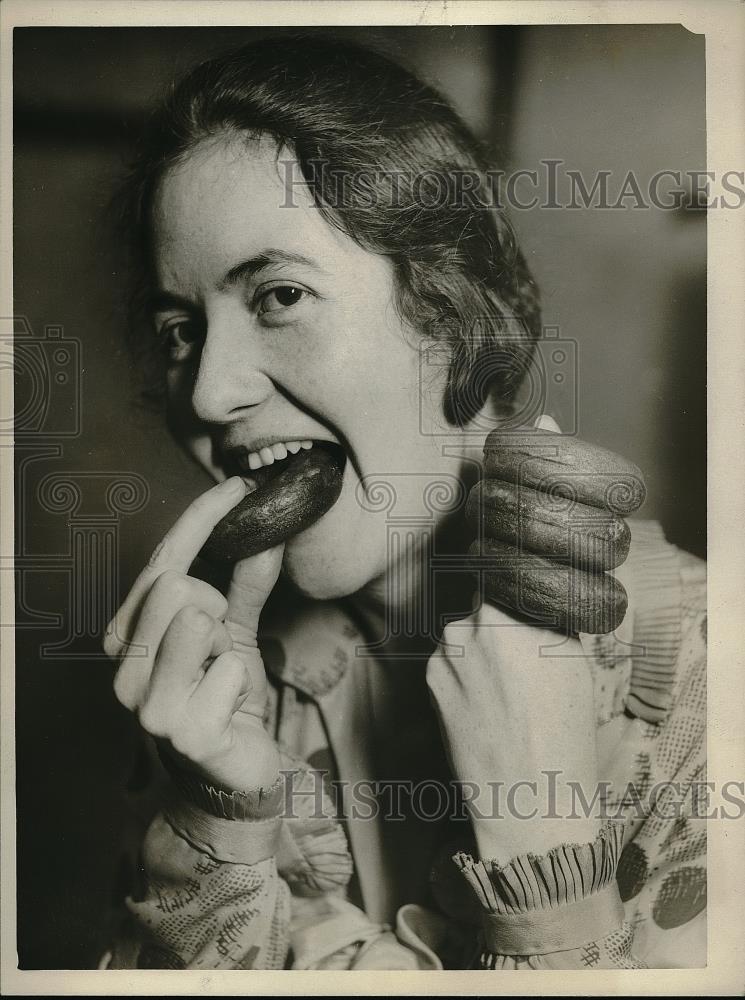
549, 513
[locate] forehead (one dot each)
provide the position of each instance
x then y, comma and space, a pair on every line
231, 198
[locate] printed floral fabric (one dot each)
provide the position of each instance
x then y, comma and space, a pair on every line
334, 887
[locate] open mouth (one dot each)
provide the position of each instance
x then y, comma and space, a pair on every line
258, 468
286, 496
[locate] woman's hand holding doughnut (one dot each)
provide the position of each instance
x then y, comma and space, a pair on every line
189, 665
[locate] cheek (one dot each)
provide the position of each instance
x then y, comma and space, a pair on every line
369, 384
368, 353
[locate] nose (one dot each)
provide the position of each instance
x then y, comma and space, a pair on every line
230, 379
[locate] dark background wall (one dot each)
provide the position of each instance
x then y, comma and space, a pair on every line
625, 288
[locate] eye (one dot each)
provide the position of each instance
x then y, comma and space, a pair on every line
181, 338
280, 297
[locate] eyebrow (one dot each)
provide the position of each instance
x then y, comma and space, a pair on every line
247, 268
162, 300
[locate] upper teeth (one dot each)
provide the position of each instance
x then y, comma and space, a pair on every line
271, 454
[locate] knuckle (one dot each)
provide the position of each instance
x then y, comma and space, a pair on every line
242, 571
243, 574
168, 578
172, 583
241, 636
194, 619
153, 721
188, 743
221, 603
181, 743
223, 637
110, 643
484, 620
453, 634
124, 690
447, 633
161, 552
208, 597
185, 614
231, 661
436, 671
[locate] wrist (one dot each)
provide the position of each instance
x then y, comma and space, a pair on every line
230, 801
502, 839
248, 765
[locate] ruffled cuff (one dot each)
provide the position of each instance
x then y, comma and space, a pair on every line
234, 826
254, 804
293, 821
240, 843
555, 902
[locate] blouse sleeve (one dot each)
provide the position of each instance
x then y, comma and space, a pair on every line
636, 897
220, 870
212, 897
561, 910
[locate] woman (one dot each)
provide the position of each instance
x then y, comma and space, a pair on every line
310, 216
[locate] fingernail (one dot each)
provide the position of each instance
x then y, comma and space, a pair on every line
546, 423
231, 485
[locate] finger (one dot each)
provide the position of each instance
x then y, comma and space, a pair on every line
547, 423
132, 683
176, 675
223, 688
170, 592
252, 581
191, 638
177, 551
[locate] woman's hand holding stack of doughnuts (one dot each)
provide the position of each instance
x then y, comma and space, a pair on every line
516, 703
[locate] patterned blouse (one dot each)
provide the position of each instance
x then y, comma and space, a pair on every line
361, 858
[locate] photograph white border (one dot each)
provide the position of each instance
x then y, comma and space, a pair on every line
723, 23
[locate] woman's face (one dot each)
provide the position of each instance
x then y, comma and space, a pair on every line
281, 328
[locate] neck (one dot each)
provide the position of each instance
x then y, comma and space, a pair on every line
404, 611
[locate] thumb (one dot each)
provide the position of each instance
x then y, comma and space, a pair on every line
546, 423
251, 584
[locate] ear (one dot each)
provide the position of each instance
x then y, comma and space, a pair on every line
495, 412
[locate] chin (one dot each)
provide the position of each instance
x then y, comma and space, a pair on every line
321, 577
323, 567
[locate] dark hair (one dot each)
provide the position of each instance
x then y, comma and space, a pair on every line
402, 155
